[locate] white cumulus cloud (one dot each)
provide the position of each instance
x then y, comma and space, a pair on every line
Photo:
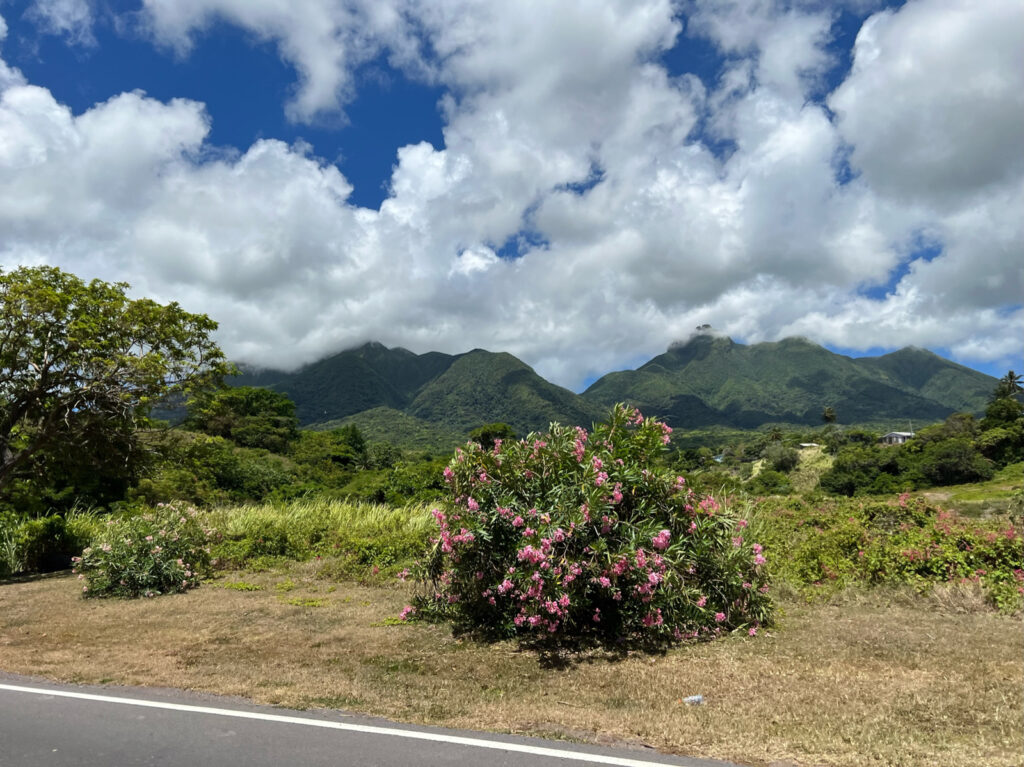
564, 135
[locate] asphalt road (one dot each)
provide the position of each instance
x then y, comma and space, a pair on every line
52, 725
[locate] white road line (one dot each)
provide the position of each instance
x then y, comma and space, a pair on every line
498, 745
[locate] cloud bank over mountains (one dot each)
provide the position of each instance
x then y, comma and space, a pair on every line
588, 205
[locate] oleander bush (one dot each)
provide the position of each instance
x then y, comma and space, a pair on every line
163, 551
568, 535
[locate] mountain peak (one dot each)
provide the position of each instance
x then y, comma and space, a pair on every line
702, 336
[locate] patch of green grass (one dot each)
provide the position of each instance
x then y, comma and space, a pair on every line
1002, 486
391, 620
241, 586
284, 586
303, 601
814, 462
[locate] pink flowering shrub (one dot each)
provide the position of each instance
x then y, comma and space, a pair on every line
159, 552
570, 534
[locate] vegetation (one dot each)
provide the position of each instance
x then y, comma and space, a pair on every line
959, 450
440, 393
491, 434
711, 380
484, 387
44, 544
248, 416
348, 539
567, 535
430, 401
384, 424
80, 367
821, 548
165, 551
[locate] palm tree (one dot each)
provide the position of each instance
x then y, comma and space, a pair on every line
1009, 385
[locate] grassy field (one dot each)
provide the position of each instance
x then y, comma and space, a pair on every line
814, 462
874, 678
982, 498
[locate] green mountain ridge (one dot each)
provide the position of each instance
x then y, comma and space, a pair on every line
484, 387
715, 381
707, 381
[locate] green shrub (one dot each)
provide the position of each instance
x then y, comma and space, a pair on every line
46, 544
780, 457
206, 471
249, 416
953, 462
158, 552
770, 482
43, 544
823, 547
569, 535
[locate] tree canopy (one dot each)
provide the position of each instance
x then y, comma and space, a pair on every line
246, 415
81, 364
487, 434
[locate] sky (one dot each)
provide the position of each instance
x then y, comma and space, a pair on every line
579, 182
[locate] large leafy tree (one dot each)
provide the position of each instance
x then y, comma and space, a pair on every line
81, 364
487, 434
248, 416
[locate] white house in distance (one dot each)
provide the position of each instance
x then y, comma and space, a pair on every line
896, 437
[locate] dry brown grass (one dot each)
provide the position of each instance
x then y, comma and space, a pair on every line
870, 681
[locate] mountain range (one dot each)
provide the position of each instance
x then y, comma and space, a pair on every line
709, 380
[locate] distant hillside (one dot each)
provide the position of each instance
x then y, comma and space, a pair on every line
425, 398
384, 424
483, 387
352, 381
938, 379
714, 381
431, 401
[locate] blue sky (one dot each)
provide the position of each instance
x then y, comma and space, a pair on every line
243, 84
579, 184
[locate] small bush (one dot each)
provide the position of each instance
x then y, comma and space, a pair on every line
566, 535
780, 457
159, 552
44, 544
770, 482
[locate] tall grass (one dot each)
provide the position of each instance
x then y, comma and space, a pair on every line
368, 535
10, 561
